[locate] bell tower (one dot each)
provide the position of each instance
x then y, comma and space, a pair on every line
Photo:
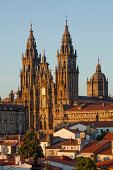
66, 72
30, 63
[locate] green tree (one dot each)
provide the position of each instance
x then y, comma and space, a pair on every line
85, 164
48, 166
101, 136
30, 146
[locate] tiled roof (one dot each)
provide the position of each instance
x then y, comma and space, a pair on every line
70, 142
93, 146
109, 136
60, 144
8, 143
65, 162
110, 167
6, 99
105, 163
91, 107
107, 151
94, 123
67, 151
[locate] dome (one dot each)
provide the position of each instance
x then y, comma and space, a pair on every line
98, 75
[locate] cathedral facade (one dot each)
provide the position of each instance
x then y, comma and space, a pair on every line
45, 99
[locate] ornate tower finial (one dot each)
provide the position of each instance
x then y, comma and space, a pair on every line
66, 19
44, 52
44, 57
31, 24
98, 60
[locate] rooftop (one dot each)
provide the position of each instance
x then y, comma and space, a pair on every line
92, 106
58, 159
94, 146
94, 123
59, 144
109, 136
107, 151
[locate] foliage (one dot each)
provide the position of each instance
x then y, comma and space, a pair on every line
30, 146
85, 164
101, 136
48, 166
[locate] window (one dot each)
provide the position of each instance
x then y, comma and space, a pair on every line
5, 127
20, 117
43, 103
43, 91
64, 64
11, 126
3, 150
101, 130
5, 117
28, 67
11, 117
0, 116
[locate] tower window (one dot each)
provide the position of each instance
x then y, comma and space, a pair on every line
28, 67
43, 103
24, 67
64, 64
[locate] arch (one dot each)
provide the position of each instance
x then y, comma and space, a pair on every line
43, 121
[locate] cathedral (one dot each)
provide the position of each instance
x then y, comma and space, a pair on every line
47, 100
44, 98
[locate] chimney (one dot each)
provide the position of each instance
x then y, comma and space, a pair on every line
19, 138
49, 139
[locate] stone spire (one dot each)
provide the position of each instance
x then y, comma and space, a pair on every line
31, 40
44, 57
31, 45
98, 67
66, 46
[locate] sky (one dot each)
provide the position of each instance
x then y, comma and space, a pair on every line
90, 24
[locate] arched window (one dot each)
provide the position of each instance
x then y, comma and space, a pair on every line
64, 64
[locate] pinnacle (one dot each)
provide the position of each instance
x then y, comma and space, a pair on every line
31, 40
98, 68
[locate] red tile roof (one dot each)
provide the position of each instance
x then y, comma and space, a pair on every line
91, 107
8, 143
109, 136
110, 167
70, 142
59, 145
65, 162
107, 151
105, 163
67, 151
94, 146
94, 123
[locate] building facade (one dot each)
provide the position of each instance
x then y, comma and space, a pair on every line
44, 98
12, 119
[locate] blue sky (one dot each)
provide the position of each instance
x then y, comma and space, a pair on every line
90, 24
